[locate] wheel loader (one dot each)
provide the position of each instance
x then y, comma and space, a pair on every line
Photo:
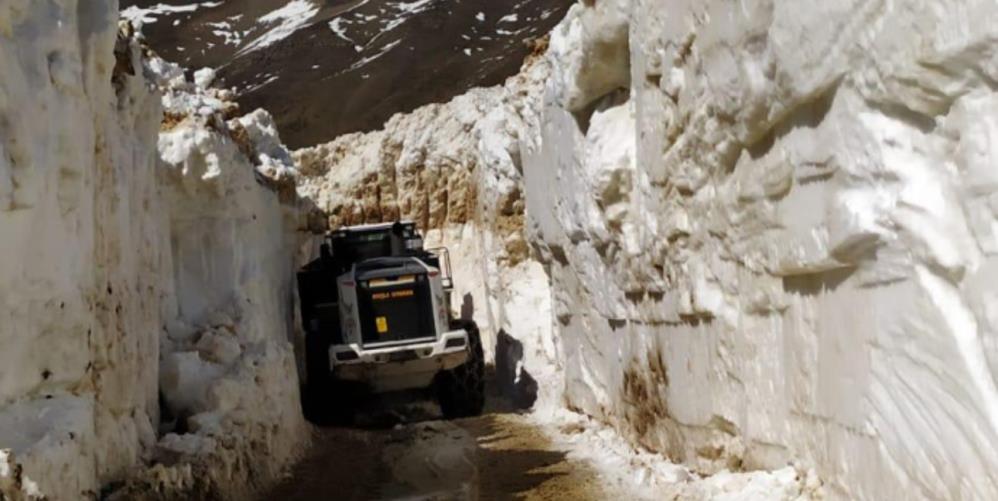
375, 308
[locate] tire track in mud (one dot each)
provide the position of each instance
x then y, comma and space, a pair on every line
498, 456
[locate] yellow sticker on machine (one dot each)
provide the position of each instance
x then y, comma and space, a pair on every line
381, 296
382, 323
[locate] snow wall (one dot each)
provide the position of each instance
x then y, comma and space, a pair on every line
146, 266
746, 235
770, 229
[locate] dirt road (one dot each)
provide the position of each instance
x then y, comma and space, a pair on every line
501, 455
507, 455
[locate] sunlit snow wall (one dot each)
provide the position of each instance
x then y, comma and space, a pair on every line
140, 273
771, 229
80, 250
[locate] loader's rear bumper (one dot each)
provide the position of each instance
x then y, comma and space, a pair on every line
399, 367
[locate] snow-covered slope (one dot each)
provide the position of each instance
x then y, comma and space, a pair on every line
326, 68
770, 233
146, 302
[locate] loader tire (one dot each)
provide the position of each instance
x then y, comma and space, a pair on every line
314, 392
325, 401
461, 391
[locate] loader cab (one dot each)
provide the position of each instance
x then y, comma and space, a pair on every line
346, 247
360, 243
367, 252
375, 308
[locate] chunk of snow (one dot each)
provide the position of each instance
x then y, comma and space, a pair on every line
204, 77
367, 60
337, 26
288, 19
414, 7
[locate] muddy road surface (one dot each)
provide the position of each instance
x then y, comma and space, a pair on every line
500, 455
504, 454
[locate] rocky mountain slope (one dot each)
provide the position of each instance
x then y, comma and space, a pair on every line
325, 68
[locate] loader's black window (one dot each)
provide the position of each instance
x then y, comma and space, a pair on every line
360, 246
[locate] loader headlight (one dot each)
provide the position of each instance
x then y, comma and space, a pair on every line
414, 244
347, 356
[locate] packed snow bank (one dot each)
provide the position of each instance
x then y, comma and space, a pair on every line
79, 220
227, 365
454, 168
645, 474
122, 256
775, 238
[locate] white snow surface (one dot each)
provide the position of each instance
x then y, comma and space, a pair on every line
226, 353
647, 475
79, 219
790, 260
140, 259
204, 77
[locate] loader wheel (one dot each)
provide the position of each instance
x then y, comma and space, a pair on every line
461, 391
324, 400
314, 395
